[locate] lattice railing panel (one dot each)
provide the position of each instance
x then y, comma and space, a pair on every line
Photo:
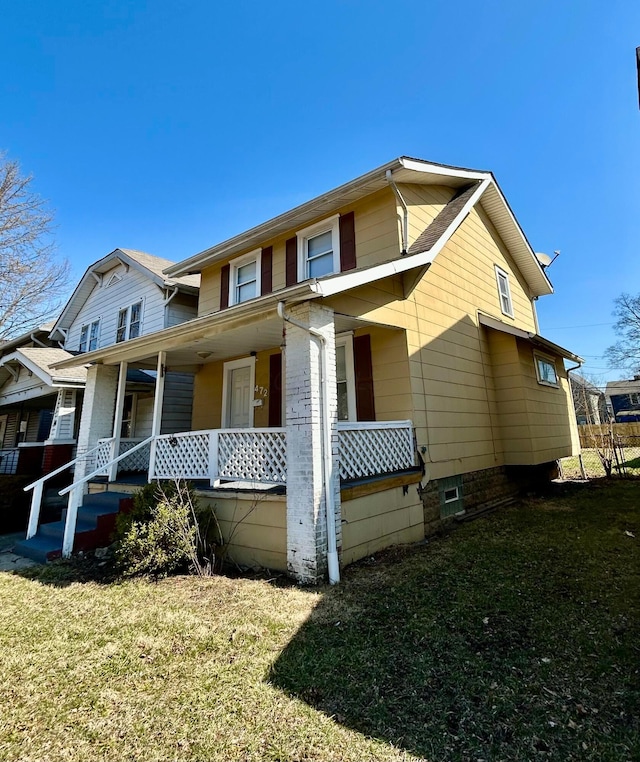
184, 456
254, 456
101, 457
375, 448
137, 461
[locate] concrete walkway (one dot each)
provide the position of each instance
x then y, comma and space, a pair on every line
9, 561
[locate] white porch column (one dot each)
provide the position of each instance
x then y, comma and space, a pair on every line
306, 509
156, 424
117, 418
97, 411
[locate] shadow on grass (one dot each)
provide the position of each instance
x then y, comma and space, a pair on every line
510, 638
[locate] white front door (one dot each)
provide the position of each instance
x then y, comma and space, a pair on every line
237, 394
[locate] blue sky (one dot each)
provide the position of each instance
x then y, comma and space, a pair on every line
169, 126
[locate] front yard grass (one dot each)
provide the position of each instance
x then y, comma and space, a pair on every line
514, 637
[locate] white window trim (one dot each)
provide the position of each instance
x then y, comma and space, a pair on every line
634, 398
88, 327
539, 356
235, 264
330, 224
499, 272
128, 320
451, 499
346, 341
226, 368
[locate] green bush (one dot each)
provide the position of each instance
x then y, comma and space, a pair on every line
160, 535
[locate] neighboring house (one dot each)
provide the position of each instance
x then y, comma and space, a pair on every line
623, 397
122, 295
366, 365
29, 390
589, 401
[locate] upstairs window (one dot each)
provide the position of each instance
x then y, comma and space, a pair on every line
89, 336
319, 249
546, 370
129, 320
504, 292
244, 281
634, 398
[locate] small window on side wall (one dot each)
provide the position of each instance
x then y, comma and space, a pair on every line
545, 370
504, 292
89, 334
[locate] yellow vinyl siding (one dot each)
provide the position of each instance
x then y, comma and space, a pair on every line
378, 520
258, 526
424, 203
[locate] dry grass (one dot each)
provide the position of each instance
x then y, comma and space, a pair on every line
514, 638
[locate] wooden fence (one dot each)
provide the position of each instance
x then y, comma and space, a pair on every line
588, 431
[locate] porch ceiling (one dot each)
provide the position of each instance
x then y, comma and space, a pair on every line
238, 342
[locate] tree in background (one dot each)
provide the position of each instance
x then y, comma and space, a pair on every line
32, 279
625, 353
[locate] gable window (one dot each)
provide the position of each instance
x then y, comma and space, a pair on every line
244, 280
504, 292
545, 370
129, 320
319, 249
89, 336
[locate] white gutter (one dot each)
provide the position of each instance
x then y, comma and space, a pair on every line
327, 460
403, 204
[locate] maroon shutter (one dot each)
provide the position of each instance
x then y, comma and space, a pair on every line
275, 390
347, 242
224, 287
292, 261
365, 406
265, 270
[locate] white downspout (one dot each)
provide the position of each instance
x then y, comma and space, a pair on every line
403, 204
327, 460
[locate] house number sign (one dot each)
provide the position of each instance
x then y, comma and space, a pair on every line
261, 391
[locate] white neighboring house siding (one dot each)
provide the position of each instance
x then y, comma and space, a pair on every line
24, 388
105, 302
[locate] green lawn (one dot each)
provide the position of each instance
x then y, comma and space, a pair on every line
515, 637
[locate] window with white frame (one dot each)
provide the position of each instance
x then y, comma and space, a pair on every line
89, 336
634, 398
545, 370
504, 292
345, 378
244, 280
129, 320
319, 249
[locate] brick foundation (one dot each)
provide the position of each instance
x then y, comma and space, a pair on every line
482, 489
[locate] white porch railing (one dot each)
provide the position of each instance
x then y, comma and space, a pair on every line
137, 461
251, 455
371, 448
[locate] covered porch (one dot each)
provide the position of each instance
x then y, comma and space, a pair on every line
295, 399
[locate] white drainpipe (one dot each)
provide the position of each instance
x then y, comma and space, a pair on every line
327, 459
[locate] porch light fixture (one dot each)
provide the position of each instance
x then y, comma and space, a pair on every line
204, 355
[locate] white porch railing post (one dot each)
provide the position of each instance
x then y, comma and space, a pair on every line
70, 524
34, 513
117, 420
214, 469
152, 460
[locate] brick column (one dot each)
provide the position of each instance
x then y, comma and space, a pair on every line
97, 411
306, 510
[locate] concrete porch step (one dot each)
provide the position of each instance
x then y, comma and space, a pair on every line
95, 524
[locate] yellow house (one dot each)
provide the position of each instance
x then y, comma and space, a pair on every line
365, 366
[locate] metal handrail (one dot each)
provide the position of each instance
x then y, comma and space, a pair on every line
74, 502
38, 485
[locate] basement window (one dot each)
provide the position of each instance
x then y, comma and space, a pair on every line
451, 497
